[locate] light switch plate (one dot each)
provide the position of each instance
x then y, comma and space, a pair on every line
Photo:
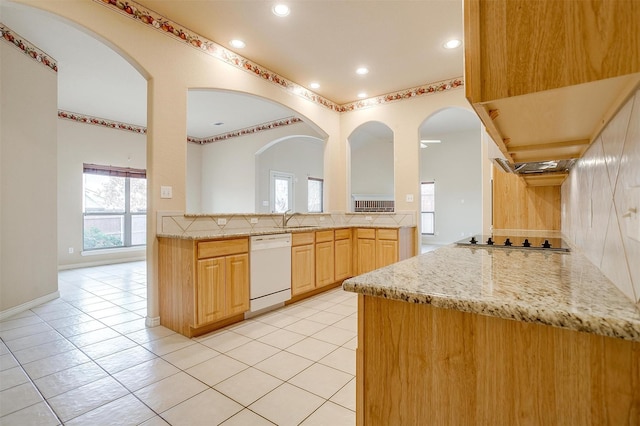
166, 192
409, 198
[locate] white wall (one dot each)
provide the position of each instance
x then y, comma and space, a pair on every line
372, 168
228, 170
28, 228
194, 178
83, 143
455, 165
300, 156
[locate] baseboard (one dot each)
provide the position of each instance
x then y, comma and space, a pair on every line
28, 305
100, 263
152, 321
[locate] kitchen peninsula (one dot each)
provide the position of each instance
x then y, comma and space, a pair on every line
466, 335
207, 278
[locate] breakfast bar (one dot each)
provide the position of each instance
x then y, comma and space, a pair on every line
488, 335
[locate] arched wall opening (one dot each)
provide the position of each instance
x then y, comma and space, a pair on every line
371, 153
451, 177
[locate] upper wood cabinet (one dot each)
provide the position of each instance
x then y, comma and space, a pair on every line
545, 76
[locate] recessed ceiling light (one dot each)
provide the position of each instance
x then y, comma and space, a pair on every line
362, 95
314, 85
217, 123
430, 141
281, 10
452, 44
362, 70
238, 44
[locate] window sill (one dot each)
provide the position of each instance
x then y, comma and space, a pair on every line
113, 250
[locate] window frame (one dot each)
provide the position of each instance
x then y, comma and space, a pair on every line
314, 179
127, 215
428, 212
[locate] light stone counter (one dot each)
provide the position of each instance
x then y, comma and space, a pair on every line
557, 289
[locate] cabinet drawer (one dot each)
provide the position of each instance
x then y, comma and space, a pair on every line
324, 236
342, 234
302, 238
222, 248
387, 234
368, 233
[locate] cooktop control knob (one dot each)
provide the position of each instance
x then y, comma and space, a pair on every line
489, 242
546, 244
473, 240
507, 242
526, 243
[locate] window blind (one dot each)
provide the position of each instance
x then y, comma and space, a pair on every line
97, 169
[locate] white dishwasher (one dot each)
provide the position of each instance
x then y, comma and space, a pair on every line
270, 271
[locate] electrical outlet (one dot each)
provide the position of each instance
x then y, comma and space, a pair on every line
222, 221
321, 218
409, 198
632, 215
369, 218
254, 220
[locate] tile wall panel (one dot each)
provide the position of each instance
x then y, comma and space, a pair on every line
595, 199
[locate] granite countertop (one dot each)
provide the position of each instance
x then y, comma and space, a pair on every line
250, 232
552, 288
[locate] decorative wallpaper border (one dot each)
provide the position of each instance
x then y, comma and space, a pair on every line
196, 41
87, 119
246, 131
27, 48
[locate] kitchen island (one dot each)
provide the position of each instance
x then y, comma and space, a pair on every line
495, 336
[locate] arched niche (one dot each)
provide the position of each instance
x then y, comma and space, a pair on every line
299, 158
450, 149
372, 167
228, 132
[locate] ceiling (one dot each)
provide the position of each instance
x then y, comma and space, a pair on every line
400, 41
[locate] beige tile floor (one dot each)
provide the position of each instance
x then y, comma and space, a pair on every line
87, 359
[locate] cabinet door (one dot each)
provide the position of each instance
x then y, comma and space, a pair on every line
387, 253
324, 263
343, 259
210, 290
237, 284
302, 269
366, 255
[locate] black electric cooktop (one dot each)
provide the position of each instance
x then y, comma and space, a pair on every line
518, 241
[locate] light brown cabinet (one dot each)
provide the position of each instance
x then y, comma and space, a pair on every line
303, 277
202, 284
343, 254
376, 248
545, 76
324, 258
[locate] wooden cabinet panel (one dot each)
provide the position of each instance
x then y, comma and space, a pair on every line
366, 233
366, 255
324, 263
387, 234
237, 284
210, 290
343, 259
302, 238
342, 234
386, 252
324, 236
222, 248
302, 269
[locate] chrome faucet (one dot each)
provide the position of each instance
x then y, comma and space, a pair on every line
286, 219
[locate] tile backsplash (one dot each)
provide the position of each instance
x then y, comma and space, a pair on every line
599, 198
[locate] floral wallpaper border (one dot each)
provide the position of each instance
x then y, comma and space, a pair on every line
180, 33
27, 48
246, 131
87, 119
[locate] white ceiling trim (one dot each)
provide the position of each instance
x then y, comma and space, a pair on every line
160, 23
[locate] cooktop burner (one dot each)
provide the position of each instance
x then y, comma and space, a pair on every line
522, 242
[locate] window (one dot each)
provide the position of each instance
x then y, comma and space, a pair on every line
427, 207
314, 195
281, 192
114, 207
